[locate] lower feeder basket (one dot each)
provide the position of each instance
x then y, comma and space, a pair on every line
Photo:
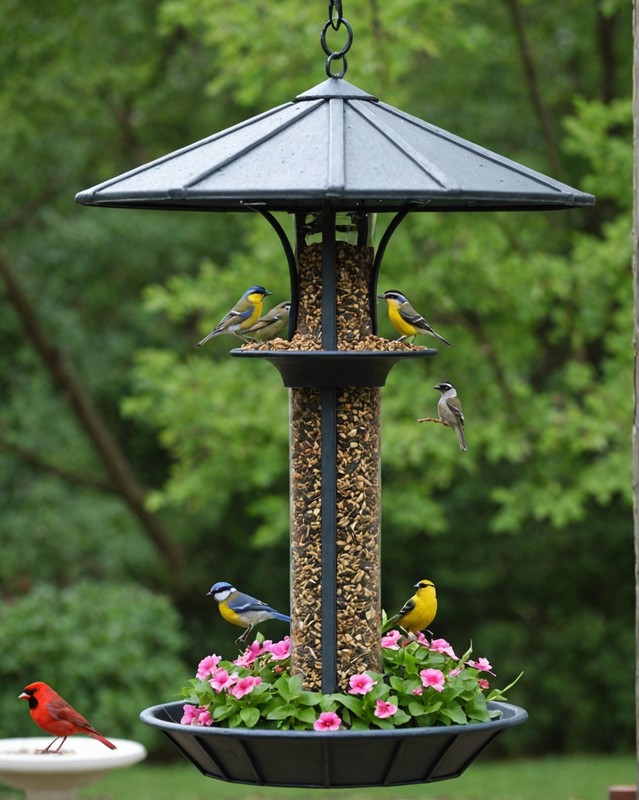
331, 759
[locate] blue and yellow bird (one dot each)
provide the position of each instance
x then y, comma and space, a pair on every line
418, 611
242, 609
405, 319
244, 313
271, 324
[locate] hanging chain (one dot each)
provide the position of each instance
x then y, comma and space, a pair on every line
335, 21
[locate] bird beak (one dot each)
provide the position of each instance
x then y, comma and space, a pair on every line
381, 297
268, 292
439, 386
208, 594
23, 696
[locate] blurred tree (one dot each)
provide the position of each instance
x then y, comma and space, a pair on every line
538, 307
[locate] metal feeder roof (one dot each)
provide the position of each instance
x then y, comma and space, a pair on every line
339, 145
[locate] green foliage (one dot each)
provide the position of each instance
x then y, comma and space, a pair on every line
421, 685
109, 649
528, 535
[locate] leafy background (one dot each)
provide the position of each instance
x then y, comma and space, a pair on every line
528, 537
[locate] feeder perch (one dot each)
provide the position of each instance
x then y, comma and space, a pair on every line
333, 158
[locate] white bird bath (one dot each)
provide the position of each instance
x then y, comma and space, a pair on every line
56, 776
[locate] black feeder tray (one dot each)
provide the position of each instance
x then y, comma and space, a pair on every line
320, 369
331, 759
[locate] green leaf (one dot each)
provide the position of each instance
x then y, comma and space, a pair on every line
455, 714
250, 716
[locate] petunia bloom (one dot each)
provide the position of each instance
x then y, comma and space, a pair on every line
433, 678
250, 654
482, 664
222, 680
361, 684
384, 709
483, 683
207, 666
327, 721
195, 715
244, 686
390, 640
442, 646
280, 650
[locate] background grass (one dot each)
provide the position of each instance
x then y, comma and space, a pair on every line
565, 778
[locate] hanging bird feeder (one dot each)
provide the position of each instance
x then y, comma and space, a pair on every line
334, 157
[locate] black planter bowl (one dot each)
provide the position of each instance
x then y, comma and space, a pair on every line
331, 759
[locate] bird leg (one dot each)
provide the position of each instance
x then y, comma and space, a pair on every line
434, 419
243, 638
57, 750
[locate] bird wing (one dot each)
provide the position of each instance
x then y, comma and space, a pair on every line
453, 404
264, 322
61, 711
409, 605
242, 603
230, 318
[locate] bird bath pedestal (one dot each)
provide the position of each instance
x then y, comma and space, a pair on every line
56, 776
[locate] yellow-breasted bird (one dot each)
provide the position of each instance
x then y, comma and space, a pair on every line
418, 611
450, 411
271, 324
405, 319
244, 313
242, 609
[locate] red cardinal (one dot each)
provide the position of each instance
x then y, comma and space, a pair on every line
54, 715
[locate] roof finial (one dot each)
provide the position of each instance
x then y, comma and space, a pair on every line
335, 21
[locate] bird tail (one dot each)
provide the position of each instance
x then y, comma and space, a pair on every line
462, 439
103, 739
390, 623
441, 338
281, 617
206, 338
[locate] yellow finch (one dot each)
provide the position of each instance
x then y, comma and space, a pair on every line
417, 612
405, 319
243, 314
271, 324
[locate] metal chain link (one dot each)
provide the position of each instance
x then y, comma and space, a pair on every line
335, 21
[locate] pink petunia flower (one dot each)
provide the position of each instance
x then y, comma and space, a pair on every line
482, 664
391, 639
207, 666
195, 715
280, 650
421, 639
483, 683
222, 680
244, 686
361, 684
442, 646
250, 654
384, 709
327, 721
455, 672
418, 690
433, 678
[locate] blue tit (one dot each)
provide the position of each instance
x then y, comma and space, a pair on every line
405, 319
242, 609
450, 411
243, 314
271, 324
